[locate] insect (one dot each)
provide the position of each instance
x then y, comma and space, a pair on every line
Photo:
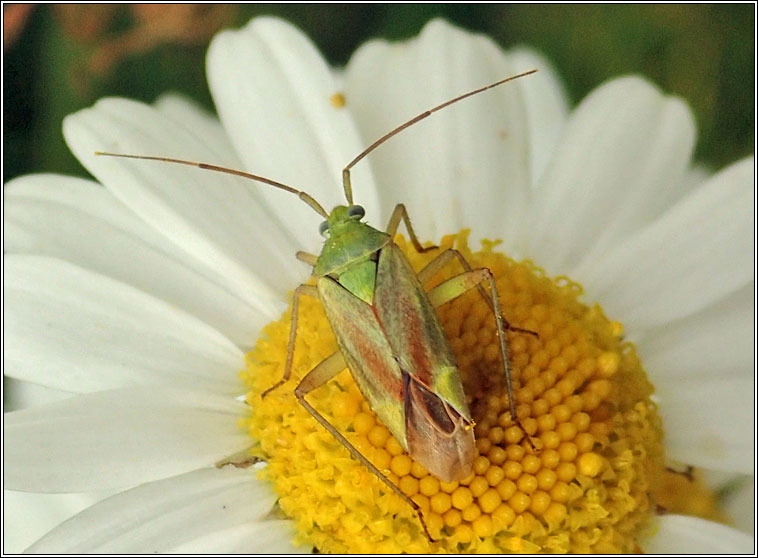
386, 326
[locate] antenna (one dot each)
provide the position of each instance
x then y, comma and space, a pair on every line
307, 198
346, 171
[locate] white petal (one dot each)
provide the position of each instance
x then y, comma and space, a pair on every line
212, 216
75, 330
702, 367
693, 178
114, 439
547, 107
18, 394
740, 504
695, 254
623, 149
272, 536
679, 534
736, 496
187, 113
159, 516
465, 166
280, 118
707, 344
28, 516
79, 221
710, 422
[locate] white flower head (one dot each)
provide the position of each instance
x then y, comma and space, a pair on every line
138, 297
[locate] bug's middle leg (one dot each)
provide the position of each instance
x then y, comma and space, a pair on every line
401, 213
309, 290
442, 260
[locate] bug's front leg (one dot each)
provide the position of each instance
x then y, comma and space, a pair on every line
401, 213
309, 290
310, 259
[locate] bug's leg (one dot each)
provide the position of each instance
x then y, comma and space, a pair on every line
442, 260
241, 460
401, 213
309, 290
456, 286
322, 373
310, 259
688, 472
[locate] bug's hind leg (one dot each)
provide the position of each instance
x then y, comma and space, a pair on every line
456, 286
322, 373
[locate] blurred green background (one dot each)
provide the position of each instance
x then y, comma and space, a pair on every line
60, 58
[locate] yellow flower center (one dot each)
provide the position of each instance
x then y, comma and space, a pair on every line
580, 482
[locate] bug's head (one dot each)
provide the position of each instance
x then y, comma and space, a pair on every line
339, 218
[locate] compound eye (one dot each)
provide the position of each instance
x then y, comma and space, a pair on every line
356, 212
323, 229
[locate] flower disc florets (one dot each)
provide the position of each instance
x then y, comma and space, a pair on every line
580, 482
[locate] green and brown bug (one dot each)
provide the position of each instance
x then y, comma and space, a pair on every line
387, 329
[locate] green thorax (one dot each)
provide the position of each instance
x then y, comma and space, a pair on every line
350, 242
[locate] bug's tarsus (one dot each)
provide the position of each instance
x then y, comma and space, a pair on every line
528, 438
272, 388
509, 327
688, 473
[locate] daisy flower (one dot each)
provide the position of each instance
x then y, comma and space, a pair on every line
152, 303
